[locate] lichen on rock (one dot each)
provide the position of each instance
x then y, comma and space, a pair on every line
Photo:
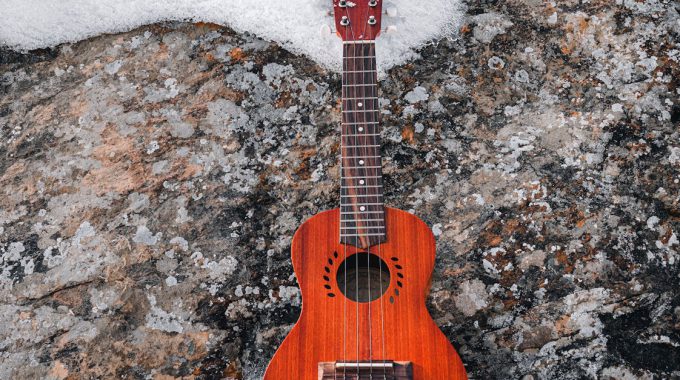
152, 180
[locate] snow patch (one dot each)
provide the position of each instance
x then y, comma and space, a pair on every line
296, 24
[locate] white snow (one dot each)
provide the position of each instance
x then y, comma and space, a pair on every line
295, 24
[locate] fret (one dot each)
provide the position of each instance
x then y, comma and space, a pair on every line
371, 189
361, 129
361, 167
375, 137
368, 157
362, 225
360, 116
360, 123
370, 220
364, 74
363, 212
368, 80
362, 220
362, 231
346, 164
367, 195
351, 92
363, 228
360, 235
359, 42
366, 98
364, 186
360, 178
364, 105
360, 108
361, 135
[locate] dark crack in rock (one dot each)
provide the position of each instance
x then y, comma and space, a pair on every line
152, 181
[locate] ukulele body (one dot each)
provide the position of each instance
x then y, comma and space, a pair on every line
393, 327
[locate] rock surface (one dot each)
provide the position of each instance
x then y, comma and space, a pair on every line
152, 180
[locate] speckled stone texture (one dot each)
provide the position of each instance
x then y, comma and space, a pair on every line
151, 182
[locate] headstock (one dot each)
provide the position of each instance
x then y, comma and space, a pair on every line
357, 20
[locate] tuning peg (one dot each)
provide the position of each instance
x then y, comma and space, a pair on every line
391, 11
328, 13
326, 30
391, 29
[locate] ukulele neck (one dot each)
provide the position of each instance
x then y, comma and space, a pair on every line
362, 213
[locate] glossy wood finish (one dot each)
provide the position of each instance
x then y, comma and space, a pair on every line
363, 18
397, 371
361, 193
328, 328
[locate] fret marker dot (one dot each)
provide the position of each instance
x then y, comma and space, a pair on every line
360, 104
362, 208
361, 162
361, 129
361, 182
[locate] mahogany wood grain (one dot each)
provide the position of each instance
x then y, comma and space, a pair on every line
358, 14
327, 328
361, 192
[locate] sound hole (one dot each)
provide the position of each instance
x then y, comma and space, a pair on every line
359, 277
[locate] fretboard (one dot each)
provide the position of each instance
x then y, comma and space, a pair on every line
362, 214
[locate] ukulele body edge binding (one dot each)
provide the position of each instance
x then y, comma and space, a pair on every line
326, 321
364, 269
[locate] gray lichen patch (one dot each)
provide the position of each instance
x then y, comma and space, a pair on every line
151, 183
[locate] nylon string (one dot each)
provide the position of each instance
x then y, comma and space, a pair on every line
364, 150
360, 73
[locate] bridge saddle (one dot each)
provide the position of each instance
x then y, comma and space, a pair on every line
365, 370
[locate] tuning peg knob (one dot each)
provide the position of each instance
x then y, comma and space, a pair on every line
325, 30
391, 11
391, 29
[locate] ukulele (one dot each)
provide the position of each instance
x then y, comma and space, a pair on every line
364, 269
